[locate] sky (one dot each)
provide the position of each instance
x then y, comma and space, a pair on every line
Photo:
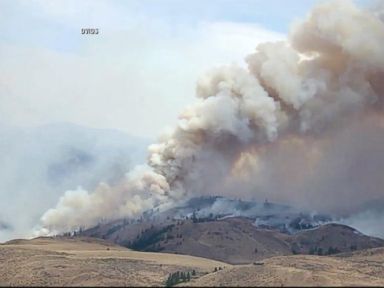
135, 76
139, 72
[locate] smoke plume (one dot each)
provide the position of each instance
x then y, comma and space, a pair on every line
294, 126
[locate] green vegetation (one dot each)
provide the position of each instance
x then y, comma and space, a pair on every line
149, 240
295, 252
178, 277
319, 251
332, 250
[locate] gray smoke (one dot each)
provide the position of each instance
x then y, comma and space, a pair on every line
301, 124
39, 163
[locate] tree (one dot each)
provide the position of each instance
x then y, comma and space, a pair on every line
312, 251
169, 281
332, 250
178, 277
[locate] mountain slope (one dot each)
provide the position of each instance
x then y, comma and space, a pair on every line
234, 240
332, 239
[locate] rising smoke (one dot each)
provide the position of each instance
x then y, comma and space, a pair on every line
302, 124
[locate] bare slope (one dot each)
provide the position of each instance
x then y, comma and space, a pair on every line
233, 240
89, 262
331, 239
362, 268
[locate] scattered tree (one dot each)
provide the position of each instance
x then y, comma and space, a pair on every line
312, 251
178, 277
332, 250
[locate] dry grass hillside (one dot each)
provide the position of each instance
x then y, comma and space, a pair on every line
77, 261
233, 240
332, 239
89, 262
361, 268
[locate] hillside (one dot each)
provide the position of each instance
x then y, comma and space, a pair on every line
233, 240
361, 268
89, 262
80, 261
332, 239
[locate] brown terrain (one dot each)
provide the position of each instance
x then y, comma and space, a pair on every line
233, 240
88, 262
360, 268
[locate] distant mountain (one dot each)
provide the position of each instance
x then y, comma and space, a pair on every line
38, 164
233, 240
233, 231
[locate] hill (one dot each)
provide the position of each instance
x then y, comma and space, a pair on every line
235, 240
62, 261
362, 268
81, 261
331, 239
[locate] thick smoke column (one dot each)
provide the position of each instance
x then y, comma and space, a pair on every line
330, 70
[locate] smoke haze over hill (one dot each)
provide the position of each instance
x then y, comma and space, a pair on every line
39, 163
302, 124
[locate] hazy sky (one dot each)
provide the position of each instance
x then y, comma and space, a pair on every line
139, 72
135, 76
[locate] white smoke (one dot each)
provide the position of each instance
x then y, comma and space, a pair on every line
368, 222
328, 74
